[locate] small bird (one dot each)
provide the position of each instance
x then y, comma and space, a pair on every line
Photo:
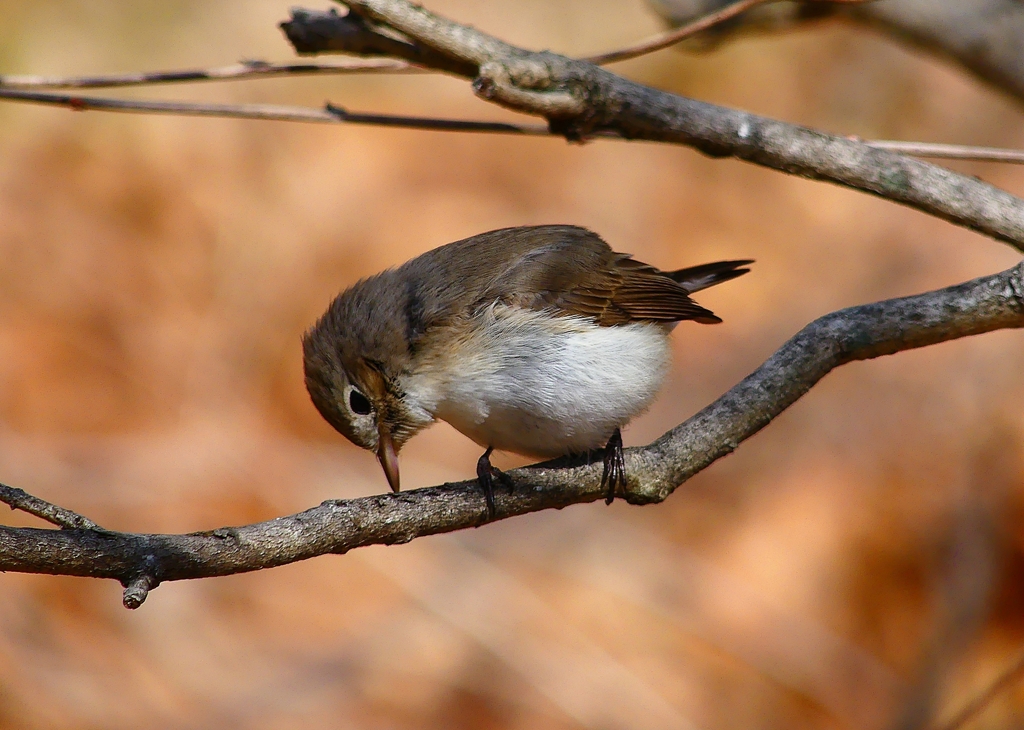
539, 340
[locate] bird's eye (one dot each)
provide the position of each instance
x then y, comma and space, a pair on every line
357, 401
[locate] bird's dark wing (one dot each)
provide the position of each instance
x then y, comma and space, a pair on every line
623, 290
566, 270
571, 271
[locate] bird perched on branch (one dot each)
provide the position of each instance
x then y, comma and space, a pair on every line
539, 340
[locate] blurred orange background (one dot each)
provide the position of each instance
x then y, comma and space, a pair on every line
156, 277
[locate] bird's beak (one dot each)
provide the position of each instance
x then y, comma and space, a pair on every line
388, 458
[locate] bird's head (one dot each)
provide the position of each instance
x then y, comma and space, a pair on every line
353, 377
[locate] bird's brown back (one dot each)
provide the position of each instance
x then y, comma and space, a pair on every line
564, 270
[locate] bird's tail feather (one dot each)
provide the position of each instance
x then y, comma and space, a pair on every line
695, 278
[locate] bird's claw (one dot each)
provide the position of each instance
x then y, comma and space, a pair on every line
614, 474
486, 473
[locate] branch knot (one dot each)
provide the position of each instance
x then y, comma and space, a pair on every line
1016, 285
526, 85
137, 588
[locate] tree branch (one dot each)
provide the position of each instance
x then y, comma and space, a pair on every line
141, 562
700, 24
983, 36
672, 37
948, 151
332, 114
64, 518
234, 72
318, 31
581, 100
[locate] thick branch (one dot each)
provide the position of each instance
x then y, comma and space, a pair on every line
580, 100
857, 333
984, 36
317, 31
141, 562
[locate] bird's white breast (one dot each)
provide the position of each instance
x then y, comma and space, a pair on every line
529, 382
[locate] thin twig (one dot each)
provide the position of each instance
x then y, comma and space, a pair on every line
330, 114
234, 72
949, 151
335, 114
670, 38
437, 125
64, 518
137, 589
1013, 674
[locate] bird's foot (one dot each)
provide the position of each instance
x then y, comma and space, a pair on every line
486, 474
614, 467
